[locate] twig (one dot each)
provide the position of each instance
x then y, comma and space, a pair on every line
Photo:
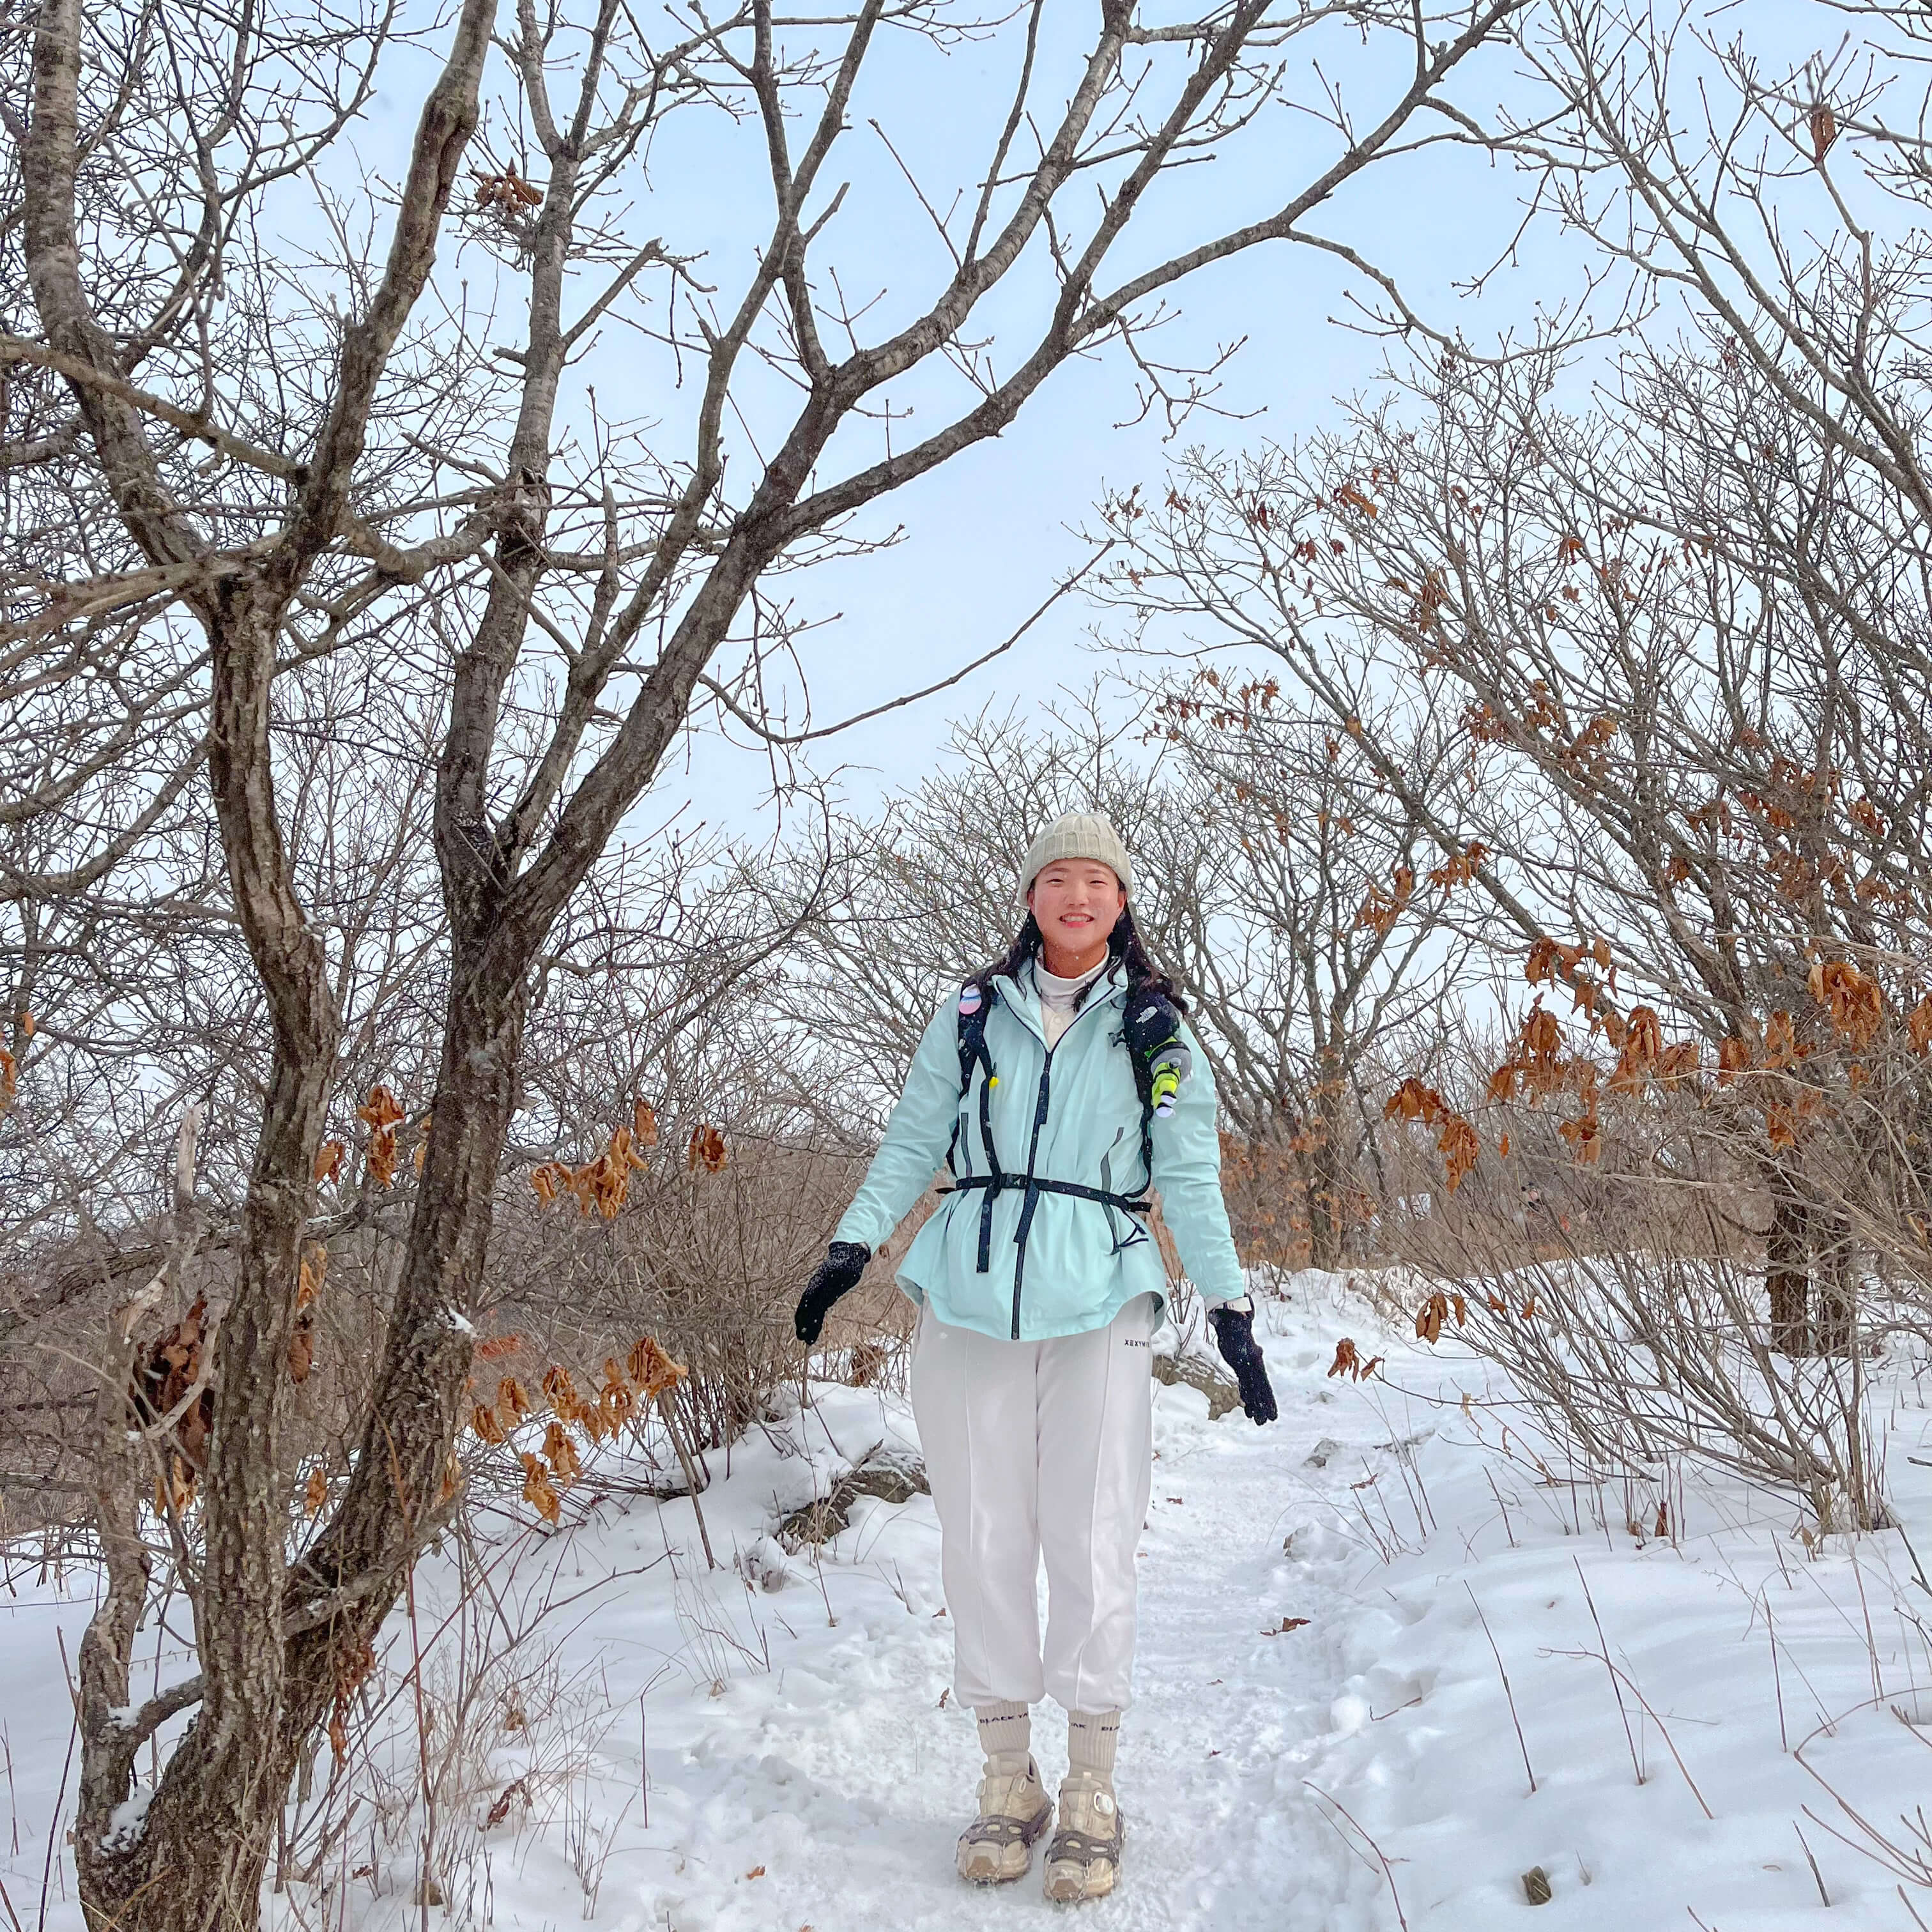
53, 1823
1650, 1712
1388, 1871
1616, 1690
788, 738
1777, 1679
1864, 1610
1824, 1896
423, 1880
667, 1409
1507, 1692
1502, 1507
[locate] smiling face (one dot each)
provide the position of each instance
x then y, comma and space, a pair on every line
1075, 901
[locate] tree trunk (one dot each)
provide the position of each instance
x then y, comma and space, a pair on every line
1325, 1166
1787, 1272
193, 1863
402, 1485
1835, 1254
1321, 1166
197, 1861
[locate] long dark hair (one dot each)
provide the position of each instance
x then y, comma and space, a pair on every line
1124, 946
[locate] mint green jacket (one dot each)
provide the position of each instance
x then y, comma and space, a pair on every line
1056, 1264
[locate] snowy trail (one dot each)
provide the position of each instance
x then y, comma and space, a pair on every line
851, 1788
1223, 1831
807, 1772
806, 1766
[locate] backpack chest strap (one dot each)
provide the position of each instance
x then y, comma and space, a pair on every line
1032, 1186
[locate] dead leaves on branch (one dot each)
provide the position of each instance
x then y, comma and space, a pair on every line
1225, 704
1823, 125
1382, 911
1850, 1013
652, 1370
1549, 964
174, 1373
1538, 1067
1441, 1307
1455, 1138
507, 193
308, 1286
645, 1376
559, 1451
1535, 1066
1919, 1025
560, 1392
1460, 867
381, 1113
1430, 1317
1349, 1362
9, 1067
539, 1491
604, 1183
1852, 1000
166, 1380
351, 1657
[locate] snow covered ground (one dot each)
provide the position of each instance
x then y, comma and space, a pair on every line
771, 1745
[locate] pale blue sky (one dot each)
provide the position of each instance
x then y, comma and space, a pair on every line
986, 535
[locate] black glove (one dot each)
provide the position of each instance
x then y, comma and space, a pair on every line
837, 1274
1235, 1336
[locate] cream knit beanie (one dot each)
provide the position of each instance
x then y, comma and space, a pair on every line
1077, 835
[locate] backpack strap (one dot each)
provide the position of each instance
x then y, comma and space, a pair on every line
973, 1007
1160, 1059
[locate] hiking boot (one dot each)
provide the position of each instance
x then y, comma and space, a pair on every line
1084, 1860
1015, 1811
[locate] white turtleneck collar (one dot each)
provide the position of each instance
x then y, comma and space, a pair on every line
1059, 998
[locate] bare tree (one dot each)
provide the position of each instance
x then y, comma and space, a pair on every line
1313, 921
1683, 616
252, 457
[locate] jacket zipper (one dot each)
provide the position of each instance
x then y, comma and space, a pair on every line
1033, 1152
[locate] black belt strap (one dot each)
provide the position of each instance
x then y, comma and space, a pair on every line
996, 1184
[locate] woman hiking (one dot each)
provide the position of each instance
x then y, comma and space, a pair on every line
1060, 1085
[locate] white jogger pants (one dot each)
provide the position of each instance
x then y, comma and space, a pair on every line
1032, 1449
